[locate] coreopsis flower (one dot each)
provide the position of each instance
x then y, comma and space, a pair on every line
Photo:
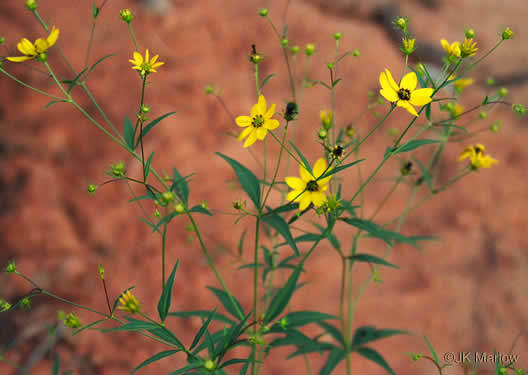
461, 84
37, 50
468, 48
477, 157
257, 123
307, 190
129, 303
72, 321
145, 65
408, 46
404, 95
507, 33
326, 118
453, 49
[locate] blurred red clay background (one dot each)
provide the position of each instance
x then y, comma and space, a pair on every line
466, 292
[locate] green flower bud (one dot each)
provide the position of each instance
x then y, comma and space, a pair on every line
25, 303
167, 197
283, 322
469, 33
11, 267
322, 134
490, 81
507, 33
295, 50
145, 109
72, 321
31, 4
237, 205
503, 91
350, 131
263, 12
401, 23
495, 127
356, 53
209, 365
330, 66
416, 357
519, 109
126, 15
380, 100
204, 205
92, 188
393, 132
209, 89
2, 40
519, 371
337, 35
118, 169
101, 271
483, 115
179, 208
309, 49
157, 214
503, 370
4, 306
284, 42
42, 57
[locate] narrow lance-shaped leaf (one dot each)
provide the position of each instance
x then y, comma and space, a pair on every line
339, 169
234, 309
151, 126
179, 183
155, 358
335, 356
367, 258
202, 330
303, 158
281, 300
128, 133
166, 296
281, 226
248, 180
375, 357
414, 144
366, 334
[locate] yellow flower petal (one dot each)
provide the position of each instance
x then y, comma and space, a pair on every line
409, 81
270, 112
405, 104
445, 45
421, 96
261, 105
487, 161
53, 36
481, 147
294, 195
305, 200
319, 167
271, 124
138, 59
318, 198
243, 121
245, 133
389, 94
255, 110
158, 64
147, 56
295, 183
153, 59
391, 81
305, 175
41, 45
26, 47
19, 58
251, 139
261, 133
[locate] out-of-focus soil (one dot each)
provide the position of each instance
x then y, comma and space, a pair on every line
466, 292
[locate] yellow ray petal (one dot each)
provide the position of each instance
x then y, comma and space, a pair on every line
305, 175
295, 183
53, 36
245, 133
407, 106
409, 81
319, 167
19, 58
391, 81
271, 124
421, 96
318, 198
261, 105
251, 139
26, 47
243, 121
389, 94
305, 200
294, 194
261, 133
270, 112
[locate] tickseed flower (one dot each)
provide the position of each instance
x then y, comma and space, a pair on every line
408, 46
126, 15
337, 152
405, 95
326, 118
257, 123
507, 33
145, 65
461, 84
37, 50
306, 189
468, 48
477, 157
401, 23
453, 49
129, 303
72, 321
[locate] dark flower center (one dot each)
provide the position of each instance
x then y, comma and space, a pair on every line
312, 186
337, 152
478, 150
404, 94
258, 121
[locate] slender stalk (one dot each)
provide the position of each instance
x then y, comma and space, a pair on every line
257, 80
255, 291
163, 251
133, 36
277, 167
90, 42
31, 87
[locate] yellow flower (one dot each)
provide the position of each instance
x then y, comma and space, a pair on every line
257, 123
477, 157
405, 95
129, 303
326, 119
461, 84
36, 50
408, 46
452, 49
468, 48
458, 110
306, 189
72, 321
145, 65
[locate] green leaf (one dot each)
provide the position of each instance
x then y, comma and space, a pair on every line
367, 258
485, 101
154, 227
72, 83
428, 112
166, 296
248, 180
56, 366
183, 370
333, 331
164, 334
201, 314
280, 225
414, 144
241, 242
302, 318
179, 183
245, 368
375, 357
134, 325
334, 84
303, 158
147, 165
88, 326
151, 125
282, 298
266, 80
366, 334
431, 349
117, 299
98, 62
335, 356
234, 309
53, 102
236, 361
425, 174
198, 208
202, 330
339, 169
129, 133
155, 358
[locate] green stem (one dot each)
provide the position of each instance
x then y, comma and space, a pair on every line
386, 198
31, 87
257, 80
255, 292
57, 81
133, 36
276, 168
163, 251
90, 42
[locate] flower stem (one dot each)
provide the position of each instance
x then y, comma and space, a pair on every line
31, 87
133, 36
